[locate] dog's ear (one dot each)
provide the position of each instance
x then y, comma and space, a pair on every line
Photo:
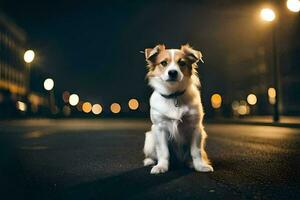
193, 55
150, 53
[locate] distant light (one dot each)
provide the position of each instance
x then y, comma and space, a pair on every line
86, 107
115, 108
79, 106
97, 109
293, 5
48, 84
29, 56
73, 99
272, 95
272, 92
66, 96
66, 110
235, 105
21, 106
267, 14
133, 104
216, 101
252, 99
243, 109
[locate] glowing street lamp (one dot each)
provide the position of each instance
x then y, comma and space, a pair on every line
48, 84
267, 14
252, 99
293, 5
29, 56
73, 99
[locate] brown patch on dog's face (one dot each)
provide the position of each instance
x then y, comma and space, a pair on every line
159, 59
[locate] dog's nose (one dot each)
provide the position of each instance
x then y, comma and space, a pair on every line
173, 74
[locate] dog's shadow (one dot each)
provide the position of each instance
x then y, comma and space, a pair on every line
123, 185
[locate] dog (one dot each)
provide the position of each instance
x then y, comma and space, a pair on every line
176, 110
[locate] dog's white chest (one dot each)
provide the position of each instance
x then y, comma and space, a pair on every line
166, 108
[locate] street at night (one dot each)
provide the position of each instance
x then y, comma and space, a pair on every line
102, 159
113, 99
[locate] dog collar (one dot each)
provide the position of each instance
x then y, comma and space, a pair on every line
173, 95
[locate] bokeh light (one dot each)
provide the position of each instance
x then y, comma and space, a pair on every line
29, 56
133, 104
216, 101
97, 109
86, 107
252, 99
267, 14
79, 106
66, 110
243, 108
48, 84
293, 5
73, 99
21, 106
66, 96
235, 105
115, 108
272, 92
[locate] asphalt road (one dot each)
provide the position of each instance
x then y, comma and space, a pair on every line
102, 159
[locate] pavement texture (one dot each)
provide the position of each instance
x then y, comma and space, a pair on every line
102, 159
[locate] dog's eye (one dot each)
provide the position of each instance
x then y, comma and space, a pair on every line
181, 63
164, 63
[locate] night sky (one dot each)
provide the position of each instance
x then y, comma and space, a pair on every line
92, 48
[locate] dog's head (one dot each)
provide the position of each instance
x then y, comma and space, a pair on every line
171, 70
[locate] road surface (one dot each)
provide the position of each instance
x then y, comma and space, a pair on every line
102, 159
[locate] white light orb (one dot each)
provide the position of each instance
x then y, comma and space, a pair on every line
73, 99
267, 14
29, 56
293, 5
48, 84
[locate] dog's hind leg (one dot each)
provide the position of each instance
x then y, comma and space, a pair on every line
149, 149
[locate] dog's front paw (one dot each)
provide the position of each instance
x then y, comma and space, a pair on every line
148, 161
157, 169
203, 167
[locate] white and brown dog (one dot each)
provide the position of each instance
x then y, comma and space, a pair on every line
176, 109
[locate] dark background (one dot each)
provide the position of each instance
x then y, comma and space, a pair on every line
92, 48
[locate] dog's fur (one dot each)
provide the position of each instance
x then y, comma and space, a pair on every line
177, 118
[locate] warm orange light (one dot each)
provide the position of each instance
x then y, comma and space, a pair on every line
272, 92
86, 107
115, 108
216, 101
267, 14
97, 109
133, 104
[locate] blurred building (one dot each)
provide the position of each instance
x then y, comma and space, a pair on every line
15, 96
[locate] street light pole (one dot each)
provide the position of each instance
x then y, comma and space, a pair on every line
269, 15
276, 73
28, 58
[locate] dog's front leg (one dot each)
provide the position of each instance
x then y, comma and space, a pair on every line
200, 161
162, 150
